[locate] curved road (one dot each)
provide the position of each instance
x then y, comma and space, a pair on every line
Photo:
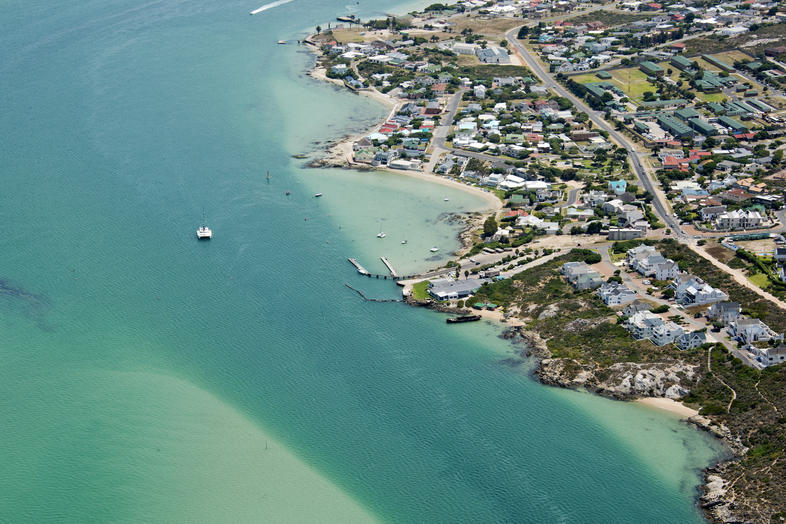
597, 118
658, 200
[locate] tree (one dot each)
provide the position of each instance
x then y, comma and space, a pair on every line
593, 228
319, 29
466, 274
490, 226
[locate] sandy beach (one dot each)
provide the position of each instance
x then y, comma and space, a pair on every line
341, 153
670, 405
488, 197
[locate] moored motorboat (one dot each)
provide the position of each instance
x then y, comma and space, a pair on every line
463, 318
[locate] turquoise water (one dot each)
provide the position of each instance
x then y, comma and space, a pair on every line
149, 377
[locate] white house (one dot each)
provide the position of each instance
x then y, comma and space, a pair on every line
665, 333
649, 262
691, 290
642, 323
770, 356
691, 340
724, 312
739, 220
750, 330
616, 294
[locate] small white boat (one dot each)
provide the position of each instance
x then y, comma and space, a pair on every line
434, 249
446, 199
403, 241
318, 195
282, 42
381, 234
204, 232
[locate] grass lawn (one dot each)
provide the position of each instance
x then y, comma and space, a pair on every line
732, 56
712, 97
610, 18
419, 290
468, 60
352, 35
494, 27
760, 279
638, 82
585, 78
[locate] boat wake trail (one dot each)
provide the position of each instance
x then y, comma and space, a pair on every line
271, 5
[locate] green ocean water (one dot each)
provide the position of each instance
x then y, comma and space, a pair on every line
146, 377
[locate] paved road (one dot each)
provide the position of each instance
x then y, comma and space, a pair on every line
658, 202
692, 323
738, 275
442, 131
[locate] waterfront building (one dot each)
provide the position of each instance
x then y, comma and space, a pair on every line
450, 289
616, 294
581, 276
691, 340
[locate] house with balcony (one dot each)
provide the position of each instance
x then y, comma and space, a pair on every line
724, 312
690, 290
739, 220
641, 324
748, 331
581, 276
769, 356
691, 340
666, 333
616, 294
650, 263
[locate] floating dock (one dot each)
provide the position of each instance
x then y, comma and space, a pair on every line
389, 266
361, 269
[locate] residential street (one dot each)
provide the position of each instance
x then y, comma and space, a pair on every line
658, 202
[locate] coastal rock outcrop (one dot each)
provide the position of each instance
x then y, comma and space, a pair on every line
622, 380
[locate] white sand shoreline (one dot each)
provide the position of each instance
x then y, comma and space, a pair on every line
666, 404
341, 152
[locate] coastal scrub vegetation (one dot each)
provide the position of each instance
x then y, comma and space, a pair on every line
578, 327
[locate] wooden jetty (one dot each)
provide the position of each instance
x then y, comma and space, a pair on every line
366, 299
361, 269
389, 266
366, 273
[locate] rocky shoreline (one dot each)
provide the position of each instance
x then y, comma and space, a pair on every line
630, 381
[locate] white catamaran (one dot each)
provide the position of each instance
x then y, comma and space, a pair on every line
204, 232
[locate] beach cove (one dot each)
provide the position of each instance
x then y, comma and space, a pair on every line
150, 377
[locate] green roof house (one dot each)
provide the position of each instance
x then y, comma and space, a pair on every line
651, 68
